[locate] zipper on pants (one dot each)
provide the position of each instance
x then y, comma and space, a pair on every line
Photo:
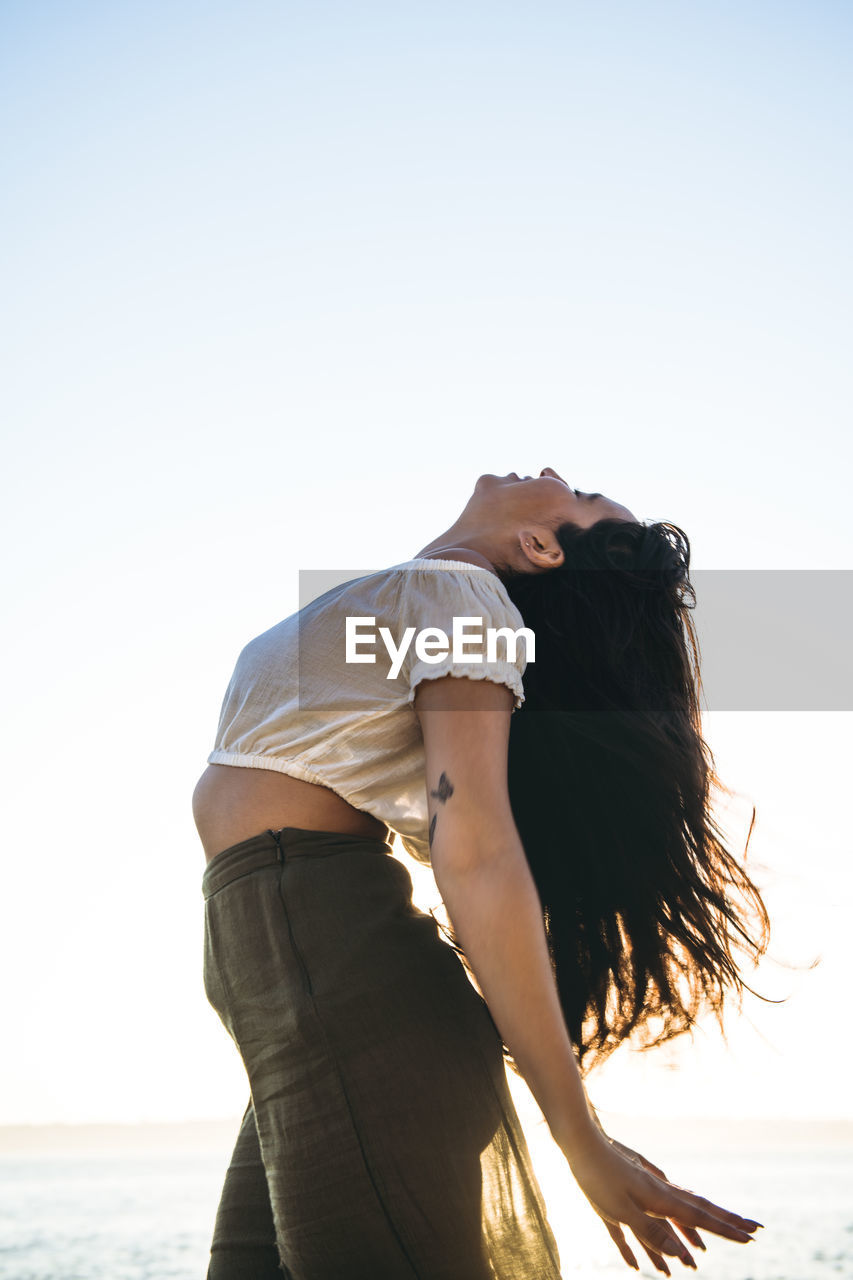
276, 835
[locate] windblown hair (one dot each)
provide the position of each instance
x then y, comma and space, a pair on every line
611, 783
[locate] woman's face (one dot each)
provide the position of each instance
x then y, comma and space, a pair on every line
547, 499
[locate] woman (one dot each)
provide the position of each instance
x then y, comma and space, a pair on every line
381, 1140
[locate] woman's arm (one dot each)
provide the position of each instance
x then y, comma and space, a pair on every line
482, 874
484, 880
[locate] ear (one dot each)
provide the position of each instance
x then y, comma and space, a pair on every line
538, 544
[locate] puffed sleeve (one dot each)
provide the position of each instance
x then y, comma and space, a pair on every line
485, 634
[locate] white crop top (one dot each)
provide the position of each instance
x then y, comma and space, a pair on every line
297, 706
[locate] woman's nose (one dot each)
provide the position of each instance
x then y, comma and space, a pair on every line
551, 474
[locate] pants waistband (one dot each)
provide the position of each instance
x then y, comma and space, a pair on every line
281, 846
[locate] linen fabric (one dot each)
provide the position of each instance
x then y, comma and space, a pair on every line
295, 705
382, 1142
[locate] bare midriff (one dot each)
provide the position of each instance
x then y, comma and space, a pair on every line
232, 804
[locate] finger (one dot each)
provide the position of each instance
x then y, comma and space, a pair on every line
696, 1211
618, 1237
691, 1234
658, 1261
664, 1200
657, 1235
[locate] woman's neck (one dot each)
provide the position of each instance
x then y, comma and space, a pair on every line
455, 552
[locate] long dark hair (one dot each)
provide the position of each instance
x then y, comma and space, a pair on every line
611, 783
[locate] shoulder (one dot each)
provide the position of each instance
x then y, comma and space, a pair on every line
453, 580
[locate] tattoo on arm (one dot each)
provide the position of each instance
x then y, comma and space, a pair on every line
443, 794
445, 789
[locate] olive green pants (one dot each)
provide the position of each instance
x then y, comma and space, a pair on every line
381, 1142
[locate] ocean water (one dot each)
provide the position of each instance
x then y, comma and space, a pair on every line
142, 1216
140, 1206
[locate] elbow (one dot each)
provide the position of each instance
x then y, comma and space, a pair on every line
474, 844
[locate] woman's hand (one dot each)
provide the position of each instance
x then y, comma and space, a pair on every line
626, 1190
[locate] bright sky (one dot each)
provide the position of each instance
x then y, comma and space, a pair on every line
281, 280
